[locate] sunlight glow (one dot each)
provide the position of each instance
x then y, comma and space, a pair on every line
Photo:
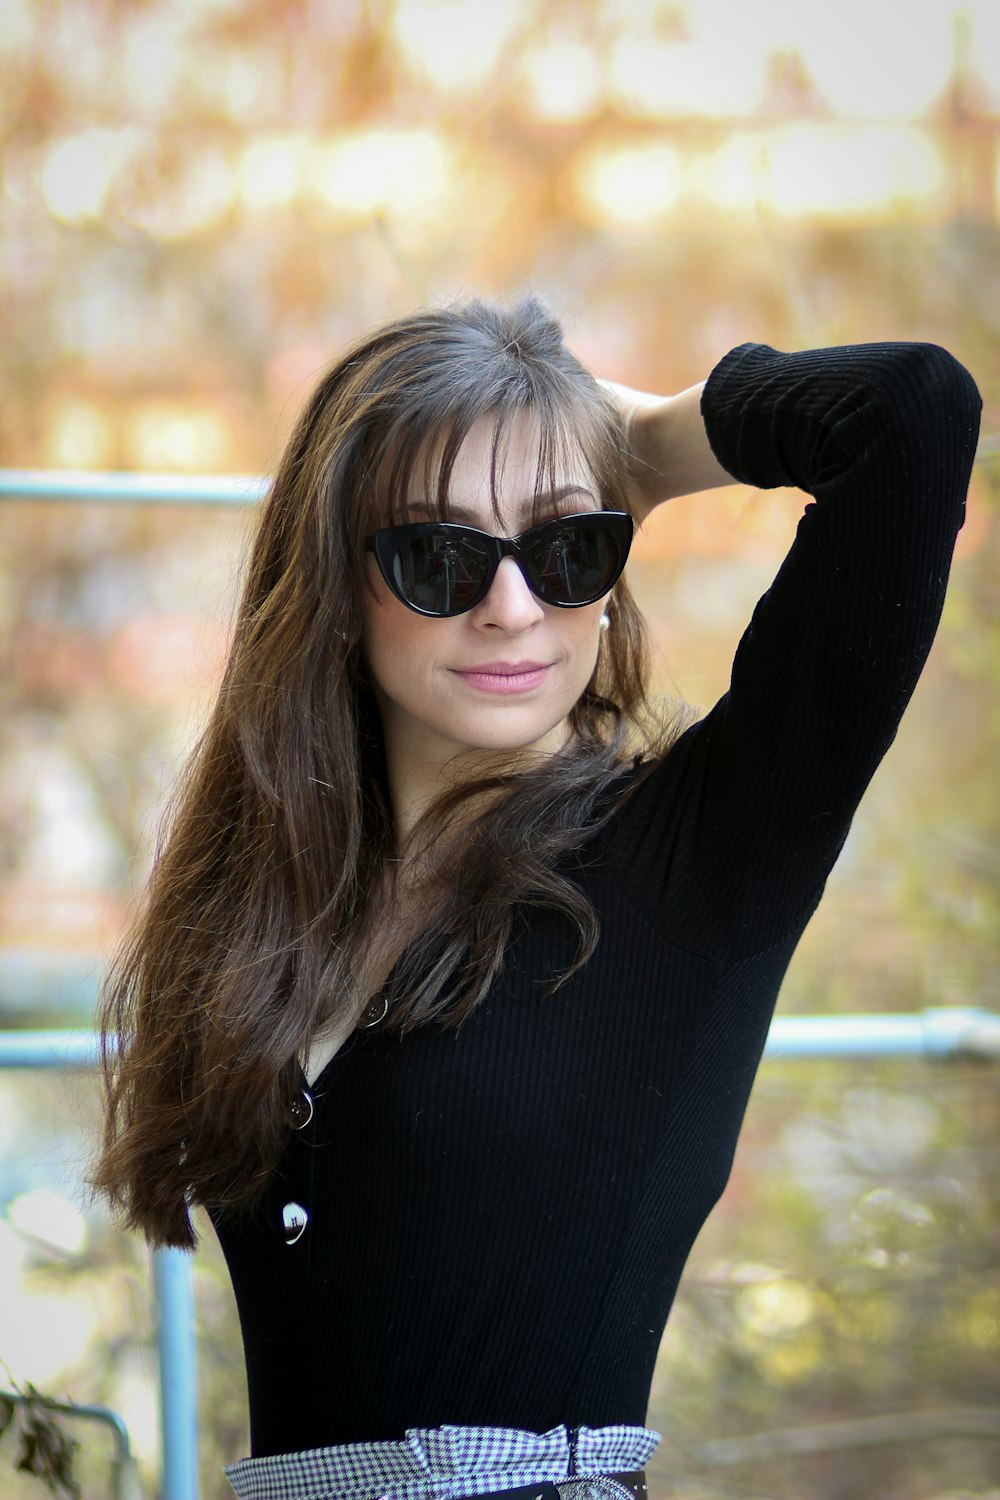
387, 170
628, 186
238, 85
775, 1307
51, 1219
134, 1394
455, 44
177, 435
46, 1334
66, 841
564, 81
18, 29
77, 173
152, 57
270, 170
79, 436
874, 60
858, 171
669, 79
983, 41
863, 171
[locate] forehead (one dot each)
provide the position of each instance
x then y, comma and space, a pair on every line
506, 476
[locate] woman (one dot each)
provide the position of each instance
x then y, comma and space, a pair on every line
454, 973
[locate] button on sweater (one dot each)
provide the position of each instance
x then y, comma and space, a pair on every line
498, 1216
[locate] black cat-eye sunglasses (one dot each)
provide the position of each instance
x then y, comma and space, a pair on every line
440, 568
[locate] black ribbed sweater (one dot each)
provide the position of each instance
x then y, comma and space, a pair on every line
499, 1215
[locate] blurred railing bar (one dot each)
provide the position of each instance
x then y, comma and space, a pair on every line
132, 488
136, 488
945, 1032
941, 1032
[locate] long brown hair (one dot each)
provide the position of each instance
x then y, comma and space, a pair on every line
281, 823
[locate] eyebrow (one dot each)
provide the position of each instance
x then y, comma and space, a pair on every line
530, 505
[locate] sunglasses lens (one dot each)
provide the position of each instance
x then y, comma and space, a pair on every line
440, 572
573, 563
446, 569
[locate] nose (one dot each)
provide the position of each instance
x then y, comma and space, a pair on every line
510, 605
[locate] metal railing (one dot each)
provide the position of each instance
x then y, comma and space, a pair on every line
940, 1034
101, 487
172, 1283
125, 1482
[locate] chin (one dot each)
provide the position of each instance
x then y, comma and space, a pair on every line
547, 737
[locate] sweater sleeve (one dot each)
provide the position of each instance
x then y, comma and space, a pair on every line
729, 843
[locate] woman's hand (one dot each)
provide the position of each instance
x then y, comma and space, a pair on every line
668, 446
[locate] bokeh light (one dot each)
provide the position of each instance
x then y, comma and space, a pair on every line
176, 435
385, 170
78, 172
629, 186
454, 45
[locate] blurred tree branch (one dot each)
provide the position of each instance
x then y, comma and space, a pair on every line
46, 1450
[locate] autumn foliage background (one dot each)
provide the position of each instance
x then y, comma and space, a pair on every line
200, 202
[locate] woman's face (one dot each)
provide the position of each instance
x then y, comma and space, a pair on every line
504, 675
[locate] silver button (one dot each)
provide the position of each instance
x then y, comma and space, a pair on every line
301, 1111
375, 1011
293, 1221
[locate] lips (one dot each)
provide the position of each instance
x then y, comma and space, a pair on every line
507, 668
504, 677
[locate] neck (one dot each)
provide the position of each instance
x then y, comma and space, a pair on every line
420, 774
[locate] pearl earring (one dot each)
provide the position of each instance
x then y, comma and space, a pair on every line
605, 622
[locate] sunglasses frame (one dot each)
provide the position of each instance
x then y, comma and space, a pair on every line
385, 543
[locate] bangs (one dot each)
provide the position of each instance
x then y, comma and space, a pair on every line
574, 440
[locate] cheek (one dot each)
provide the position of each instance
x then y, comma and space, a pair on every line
394, 639
579, 637
584, 634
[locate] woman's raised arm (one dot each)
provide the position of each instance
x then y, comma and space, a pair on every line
882, 436
668, 444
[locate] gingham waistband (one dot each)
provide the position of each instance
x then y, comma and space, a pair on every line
442, 1463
